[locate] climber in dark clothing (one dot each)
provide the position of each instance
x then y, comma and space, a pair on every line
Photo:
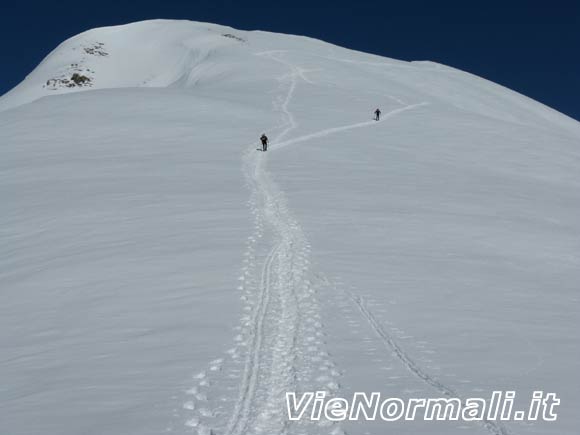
377, 114
264, 140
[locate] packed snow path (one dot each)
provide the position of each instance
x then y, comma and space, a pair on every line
281, 331
286, 308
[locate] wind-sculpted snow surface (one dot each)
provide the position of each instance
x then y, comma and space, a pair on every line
162, 275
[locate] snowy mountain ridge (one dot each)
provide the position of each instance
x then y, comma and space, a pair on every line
164, 53
160, 274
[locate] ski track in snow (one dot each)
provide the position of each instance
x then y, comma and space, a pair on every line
334, 130
281, 330
282, 338
410, 364
250, 379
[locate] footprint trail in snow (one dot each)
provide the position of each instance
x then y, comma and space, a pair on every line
279, 345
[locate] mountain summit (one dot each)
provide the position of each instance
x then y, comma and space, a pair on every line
184, 54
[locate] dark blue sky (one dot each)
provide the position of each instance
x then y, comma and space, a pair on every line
530, 46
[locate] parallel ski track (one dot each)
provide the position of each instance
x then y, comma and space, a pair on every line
407, 361
261, 184
241, 414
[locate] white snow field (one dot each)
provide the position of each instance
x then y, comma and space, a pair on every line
158, 274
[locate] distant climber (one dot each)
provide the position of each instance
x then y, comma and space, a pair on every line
377, 114
264, 140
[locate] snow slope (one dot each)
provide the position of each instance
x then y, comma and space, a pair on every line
160, 275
